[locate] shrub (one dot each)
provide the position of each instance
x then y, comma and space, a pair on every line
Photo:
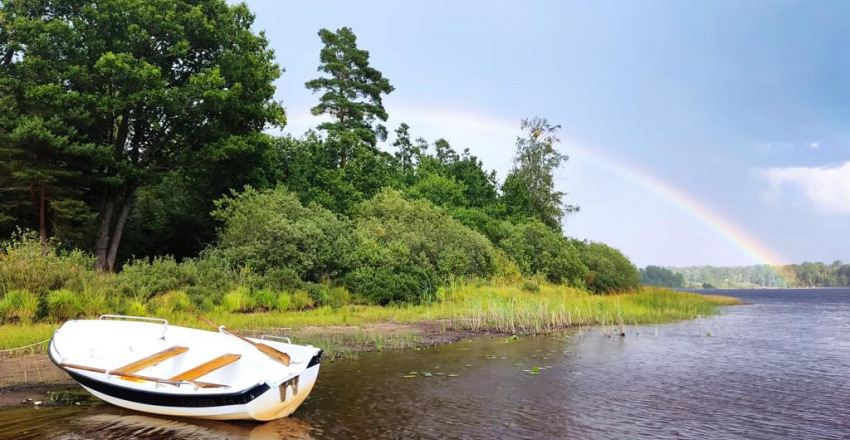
403, 250
284, 302
482, 221
136, 307
94, 302
203, 297
270, 229
171, 302
63, 304
380, 285
539, 250
264, 299
18, 306
238, 300
338, 297
530, 286
609, 270
148, 278
26, 266
301, 300
506, 269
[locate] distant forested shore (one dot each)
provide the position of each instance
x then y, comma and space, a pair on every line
806, 274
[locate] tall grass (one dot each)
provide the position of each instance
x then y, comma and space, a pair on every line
509, 308
479, 308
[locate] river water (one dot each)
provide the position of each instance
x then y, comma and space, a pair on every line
776, 369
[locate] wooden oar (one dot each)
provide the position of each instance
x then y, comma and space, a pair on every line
269, 351
132, 376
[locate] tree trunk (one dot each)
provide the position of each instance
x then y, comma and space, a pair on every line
110, 232
42, 219
118, 231
101, 243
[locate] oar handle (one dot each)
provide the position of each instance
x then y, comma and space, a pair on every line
267, 350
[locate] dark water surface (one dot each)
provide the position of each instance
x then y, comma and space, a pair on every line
776, 369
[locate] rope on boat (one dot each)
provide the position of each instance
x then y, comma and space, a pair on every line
25, 346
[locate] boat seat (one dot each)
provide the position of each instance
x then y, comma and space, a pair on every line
208, 367
150, 361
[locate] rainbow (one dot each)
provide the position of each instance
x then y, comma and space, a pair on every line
722, 227
464, 121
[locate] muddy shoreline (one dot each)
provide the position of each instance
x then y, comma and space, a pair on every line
27, 379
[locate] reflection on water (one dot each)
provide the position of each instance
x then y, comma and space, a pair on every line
101, 421
772, 370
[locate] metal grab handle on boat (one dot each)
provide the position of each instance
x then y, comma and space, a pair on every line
139, 318
280, 338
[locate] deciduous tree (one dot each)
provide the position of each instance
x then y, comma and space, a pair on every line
150, 85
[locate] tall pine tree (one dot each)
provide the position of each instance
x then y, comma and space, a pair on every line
351, 94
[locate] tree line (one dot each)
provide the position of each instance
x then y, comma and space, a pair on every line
805, 274
138, 129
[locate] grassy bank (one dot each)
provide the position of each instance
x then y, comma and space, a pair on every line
513, 308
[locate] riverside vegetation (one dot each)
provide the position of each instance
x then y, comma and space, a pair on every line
148, 173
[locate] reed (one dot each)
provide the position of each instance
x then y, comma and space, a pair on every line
479, 307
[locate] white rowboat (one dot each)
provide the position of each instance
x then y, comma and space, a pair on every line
145, 364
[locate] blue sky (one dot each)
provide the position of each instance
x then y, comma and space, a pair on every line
743, 106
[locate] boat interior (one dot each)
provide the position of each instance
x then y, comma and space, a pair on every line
153, 354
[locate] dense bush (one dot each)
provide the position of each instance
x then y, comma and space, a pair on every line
540, 250
64, 304
608, 269
26, 265
18, 306
403, 249
271, 230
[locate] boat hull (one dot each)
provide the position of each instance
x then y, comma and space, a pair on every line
151, 367
266, 406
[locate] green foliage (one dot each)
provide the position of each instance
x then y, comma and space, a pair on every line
530, 286
271, 229
181, 85
807, 274
18, 306
283, 303
609, 270
404, 249
238, 300
264, 299
338, 297
147, 278
385, 285
136, 307
25, 265
63, 304
661, 277
301, 300
174, 301
439, 190
538, 249
483, 222
506, 270
351, 92
529, 189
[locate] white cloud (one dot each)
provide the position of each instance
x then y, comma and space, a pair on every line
826, 188
814, 145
